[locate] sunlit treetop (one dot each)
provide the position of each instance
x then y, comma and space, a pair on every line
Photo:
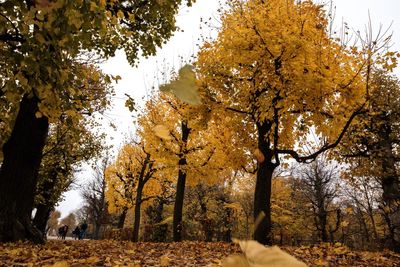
275, 62
205, 149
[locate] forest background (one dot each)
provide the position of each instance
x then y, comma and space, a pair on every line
209, 159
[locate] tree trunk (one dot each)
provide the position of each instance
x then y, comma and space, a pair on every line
18, 174
41, 217
180, 187
136, 223
178, 207
228, 225
262, 204
159, 210
96, 231
121, 219
43, 210
391, 188
262, 193
323, 222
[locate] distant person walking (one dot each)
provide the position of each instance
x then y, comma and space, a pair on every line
77, 233
64, 232
83, 228
60, 232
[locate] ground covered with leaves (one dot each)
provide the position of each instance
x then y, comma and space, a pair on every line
59, 253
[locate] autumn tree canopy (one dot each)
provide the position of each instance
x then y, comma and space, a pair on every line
43, 73
275, 64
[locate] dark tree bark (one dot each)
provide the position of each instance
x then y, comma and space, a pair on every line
136, 223
43, 210
121, 219
18, 174
262, 203
180, 187
262, 194
322, 223
143, 178
41, 217
178, 207
227, 237
391, 187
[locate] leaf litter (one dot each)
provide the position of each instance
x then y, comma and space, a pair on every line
57, 253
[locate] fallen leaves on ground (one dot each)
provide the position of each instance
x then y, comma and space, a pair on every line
257, 255
57, 253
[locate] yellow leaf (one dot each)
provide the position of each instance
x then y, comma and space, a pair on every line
92, 259
162, 132
164, 261
184, 87
40, 38
120, 14
258, 255
259, 155
61, 264
235, 261
38, 114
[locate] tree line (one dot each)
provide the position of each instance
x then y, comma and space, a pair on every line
274, 76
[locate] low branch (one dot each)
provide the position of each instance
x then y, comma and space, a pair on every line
325, 147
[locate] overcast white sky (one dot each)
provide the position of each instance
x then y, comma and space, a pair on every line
136, 81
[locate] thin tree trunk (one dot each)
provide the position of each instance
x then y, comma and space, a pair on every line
180, 187
136, 223
18, 175
228, 231
121, 219
178, 207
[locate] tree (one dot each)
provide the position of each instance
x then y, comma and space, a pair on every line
364, 194
156, 224
188, 147
318, 183
66, 148
52, 223
40, 42
372, 149
126, 180
94, 198
282, 215
275, 66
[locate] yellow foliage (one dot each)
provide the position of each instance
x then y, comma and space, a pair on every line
274, 64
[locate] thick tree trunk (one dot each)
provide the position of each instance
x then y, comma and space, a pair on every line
18, 174
262, 193
121, 219
136, 223
262, 204
391, 188
177, 226
41, 217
